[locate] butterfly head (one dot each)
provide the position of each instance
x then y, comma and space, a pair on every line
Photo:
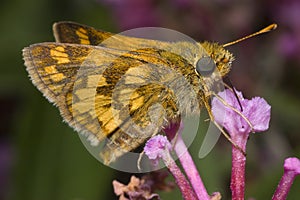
213, 66
218, 59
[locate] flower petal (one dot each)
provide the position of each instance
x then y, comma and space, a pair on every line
258, 111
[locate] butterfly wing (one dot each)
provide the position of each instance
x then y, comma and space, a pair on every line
71, 32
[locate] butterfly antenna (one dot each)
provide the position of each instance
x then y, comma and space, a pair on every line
265, 30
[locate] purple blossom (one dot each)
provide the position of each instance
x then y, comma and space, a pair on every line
156, 147
256, 110
291, 170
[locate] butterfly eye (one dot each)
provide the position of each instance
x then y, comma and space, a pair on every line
205, 66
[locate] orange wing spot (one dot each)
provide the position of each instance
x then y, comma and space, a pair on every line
57, 77
53, 73
60, 48
81, 33
50, 69
59, 55
83, 41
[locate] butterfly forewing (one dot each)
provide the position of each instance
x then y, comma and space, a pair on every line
70, 32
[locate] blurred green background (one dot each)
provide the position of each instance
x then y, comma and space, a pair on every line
42, 158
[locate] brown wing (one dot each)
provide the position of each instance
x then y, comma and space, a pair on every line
74, 33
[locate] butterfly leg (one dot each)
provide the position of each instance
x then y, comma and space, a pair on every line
208, 107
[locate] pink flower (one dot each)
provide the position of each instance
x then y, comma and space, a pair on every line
256, 110
156, 147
